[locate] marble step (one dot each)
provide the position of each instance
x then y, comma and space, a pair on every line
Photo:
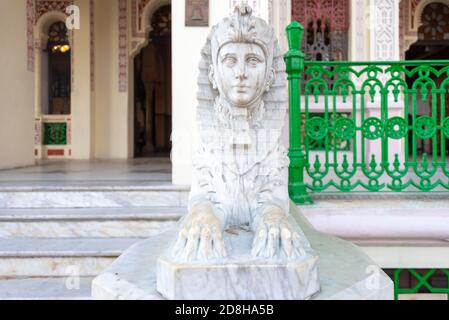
134, 222
426, 216
45, 289
57, 257
93, 196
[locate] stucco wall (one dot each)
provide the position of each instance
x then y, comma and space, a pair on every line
16, 88
81, 91
111, 106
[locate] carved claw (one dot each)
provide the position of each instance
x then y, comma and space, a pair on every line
191, 247
259, 242
275, 235
219, 248
205, 247
180, 242
287, 245
201, 237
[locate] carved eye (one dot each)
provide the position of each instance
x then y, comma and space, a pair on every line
230, 61
253, 61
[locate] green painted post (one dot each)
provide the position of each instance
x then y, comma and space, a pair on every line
396, 283
294, 60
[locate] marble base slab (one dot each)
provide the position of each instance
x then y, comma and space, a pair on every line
240, 276
346, 273
93, 198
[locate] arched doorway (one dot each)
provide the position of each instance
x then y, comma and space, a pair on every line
432, 44
56, 72
153, 90
53, 89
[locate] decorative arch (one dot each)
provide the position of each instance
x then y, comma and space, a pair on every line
143, 10
411, 12
43, 24
417, 21
44, 6
41, 27
434, 22
49, 125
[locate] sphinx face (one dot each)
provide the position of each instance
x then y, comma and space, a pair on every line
241, 73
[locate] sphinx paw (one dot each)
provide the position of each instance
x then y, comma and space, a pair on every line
201, 237
274, 237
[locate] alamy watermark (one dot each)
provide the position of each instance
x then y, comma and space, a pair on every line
372, 283
73, 21
73, 280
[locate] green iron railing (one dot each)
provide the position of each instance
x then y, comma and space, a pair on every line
385, 129
421, 282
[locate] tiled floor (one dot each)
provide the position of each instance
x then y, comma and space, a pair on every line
136, 172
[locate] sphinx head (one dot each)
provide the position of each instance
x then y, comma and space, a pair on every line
242, 56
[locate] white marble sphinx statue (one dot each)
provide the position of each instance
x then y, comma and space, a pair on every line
239, 202
240, 176
241, 239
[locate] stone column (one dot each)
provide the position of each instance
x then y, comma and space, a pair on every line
358, 30
384, 46
81, 109
38, 77
358, 50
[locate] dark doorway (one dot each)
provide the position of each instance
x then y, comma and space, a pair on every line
153, 90
432, 44
56, 71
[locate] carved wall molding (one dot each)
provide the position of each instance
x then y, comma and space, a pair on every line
138, 7
385, 30
30, 35
44, 6
138, 33
312, 10
92, 45
326, 26
123, 45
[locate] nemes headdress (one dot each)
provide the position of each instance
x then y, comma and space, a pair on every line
242, 26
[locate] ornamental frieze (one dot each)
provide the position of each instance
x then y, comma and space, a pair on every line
44, 6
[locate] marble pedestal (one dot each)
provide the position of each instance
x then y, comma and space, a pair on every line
346, 273
240, 276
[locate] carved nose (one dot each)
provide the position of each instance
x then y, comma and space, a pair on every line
241, 74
